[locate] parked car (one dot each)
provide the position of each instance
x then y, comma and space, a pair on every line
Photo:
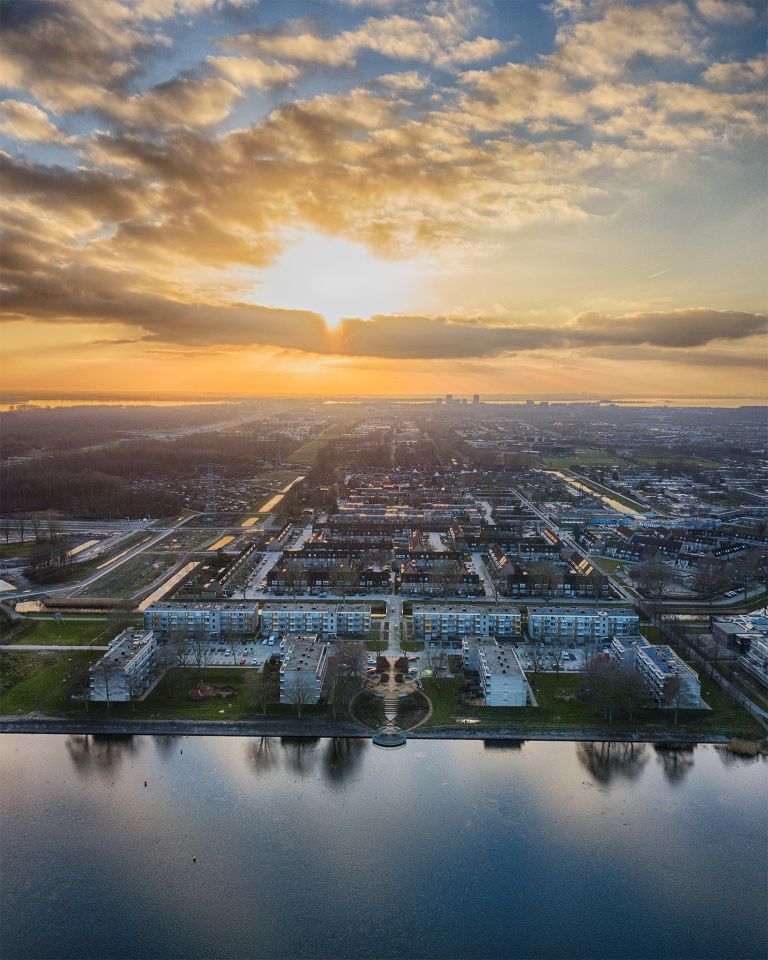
254, 661
241, 662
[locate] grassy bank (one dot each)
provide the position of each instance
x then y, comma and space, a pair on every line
42, 682
559, 709
65, 632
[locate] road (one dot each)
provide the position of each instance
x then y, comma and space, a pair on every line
566, 538
479, 564
394, 618
73, 588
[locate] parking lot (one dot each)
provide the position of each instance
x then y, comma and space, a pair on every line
248, 653
572, 662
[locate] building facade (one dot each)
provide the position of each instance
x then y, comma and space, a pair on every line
454, 622
208, 619
127, 670
581, 624
502, 679
303, 669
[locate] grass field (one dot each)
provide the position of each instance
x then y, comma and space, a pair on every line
560, 710
43, 682
131, 577
66, 632
586, 457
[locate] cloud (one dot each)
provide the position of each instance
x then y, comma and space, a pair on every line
436, 38
737, 75
254, 72
730, 12
25, 121
627, 37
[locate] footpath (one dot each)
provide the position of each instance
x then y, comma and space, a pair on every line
322, 727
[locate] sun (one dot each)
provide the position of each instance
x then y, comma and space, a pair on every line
337, 279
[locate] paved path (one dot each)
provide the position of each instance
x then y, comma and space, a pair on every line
394, 618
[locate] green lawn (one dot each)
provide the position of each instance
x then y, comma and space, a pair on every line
559, 710
19, 549
66, 632
43, 682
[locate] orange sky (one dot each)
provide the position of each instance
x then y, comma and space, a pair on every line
384, 197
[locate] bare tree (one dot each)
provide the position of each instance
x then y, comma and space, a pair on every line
437, 661
300, 692
261, 688
673, 694
201, 648
536, 653
5, 528
709, 579
557, 652
104, 671
164, 660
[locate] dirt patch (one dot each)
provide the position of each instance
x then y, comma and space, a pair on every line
209, 691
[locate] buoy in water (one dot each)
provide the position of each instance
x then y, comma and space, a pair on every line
145, 783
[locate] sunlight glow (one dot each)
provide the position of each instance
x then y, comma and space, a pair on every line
337, 279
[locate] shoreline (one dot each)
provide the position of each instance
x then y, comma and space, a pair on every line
319, 727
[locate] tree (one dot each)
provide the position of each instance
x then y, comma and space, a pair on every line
201, 647
300, 691
674, 694
557, 652
709, 579
164, 660
437, 661
536, 653
614, 688
378, 642
262, 688
104, 671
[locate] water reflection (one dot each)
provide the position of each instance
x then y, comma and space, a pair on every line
608, 760
503, 744
166, 744
676, 760
300, 753
342, 758
100, 753
262, 755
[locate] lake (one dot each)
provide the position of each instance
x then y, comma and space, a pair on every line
300, 848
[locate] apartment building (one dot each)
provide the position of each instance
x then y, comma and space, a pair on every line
580, 624
210, 619
502, 679
279, 619
126, 671
454, 622
304, 668
667, 677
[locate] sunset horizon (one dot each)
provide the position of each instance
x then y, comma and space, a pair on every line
210, 197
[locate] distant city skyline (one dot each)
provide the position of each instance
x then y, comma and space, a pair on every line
381, 197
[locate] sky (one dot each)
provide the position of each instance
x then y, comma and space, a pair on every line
383, 197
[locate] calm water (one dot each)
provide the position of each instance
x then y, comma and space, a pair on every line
334, 849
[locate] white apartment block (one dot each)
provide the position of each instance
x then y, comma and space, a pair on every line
353, 619
581, 624
755, 660
126, 671
456, 622
502, 679
660, 668
208, 618
303, 670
